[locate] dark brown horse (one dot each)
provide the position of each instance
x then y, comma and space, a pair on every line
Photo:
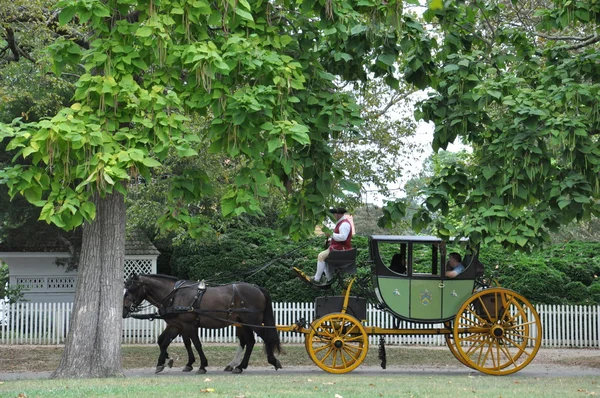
186, 306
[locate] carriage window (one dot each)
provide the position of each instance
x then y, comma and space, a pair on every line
425, 259
394, 256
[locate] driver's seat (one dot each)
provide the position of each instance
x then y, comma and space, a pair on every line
343, 261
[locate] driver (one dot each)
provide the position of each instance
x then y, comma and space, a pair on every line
340, 240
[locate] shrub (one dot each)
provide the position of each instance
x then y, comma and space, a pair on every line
594, 292
577, 293
559, 275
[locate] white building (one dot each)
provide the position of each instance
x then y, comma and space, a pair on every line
45, 281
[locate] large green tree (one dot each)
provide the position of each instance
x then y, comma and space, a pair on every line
263, 74
518, 82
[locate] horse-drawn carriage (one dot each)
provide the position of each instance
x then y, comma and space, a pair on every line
490, 329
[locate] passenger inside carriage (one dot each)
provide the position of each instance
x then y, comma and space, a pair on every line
454, 266
398, 263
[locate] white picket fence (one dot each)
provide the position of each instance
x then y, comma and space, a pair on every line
48, 324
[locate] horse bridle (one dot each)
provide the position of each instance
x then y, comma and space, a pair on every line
133, 308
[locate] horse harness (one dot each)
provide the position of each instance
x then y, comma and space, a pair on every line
167, 309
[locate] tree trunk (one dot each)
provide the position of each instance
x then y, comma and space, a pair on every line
93, 346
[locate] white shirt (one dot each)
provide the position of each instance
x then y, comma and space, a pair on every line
345, 229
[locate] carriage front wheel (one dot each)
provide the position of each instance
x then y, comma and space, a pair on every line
337, 343
497, 331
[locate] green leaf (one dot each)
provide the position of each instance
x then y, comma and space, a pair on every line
186, 152
108, 179
301, 137
350, 186
489, 171
149, 162
436, 5
143, 31
33, 194
228, 206
47, 211
274, 144
66, 15
244, 14
388, 59
88, 210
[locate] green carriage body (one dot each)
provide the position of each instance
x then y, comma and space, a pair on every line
423, 293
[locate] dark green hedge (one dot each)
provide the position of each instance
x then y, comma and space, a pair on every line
561, 274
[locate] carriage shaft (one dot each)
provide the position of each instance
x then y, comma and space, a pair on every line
373, 330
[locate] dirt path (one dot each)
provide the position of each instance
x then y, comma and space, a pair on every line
547, 363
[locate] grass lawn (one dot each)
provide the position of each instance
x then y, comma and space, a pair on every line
280, 384
269, 383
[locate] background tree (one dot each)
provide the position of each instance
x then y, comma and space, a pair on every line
261, 72
28, 92
381, 151
518, 82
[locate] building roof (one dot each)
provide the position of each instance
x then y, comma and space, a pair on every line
137, 243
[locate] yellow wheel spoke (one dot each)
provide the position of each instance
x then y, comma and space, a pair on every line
478, 346
481, 360
521, 325
345, 363
335, 355
485, 308
326, 333
355, 338
325, 347
466, 322
327, 354
354, 352
508, 355
477, 317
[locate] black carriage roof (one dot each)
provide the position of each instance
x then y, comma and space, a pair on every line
404, 238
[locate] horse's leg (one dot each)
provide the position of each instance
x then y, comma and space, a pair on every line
167, 336
191, 359
269, 334
250, 341
237, 359
196, 340
270, 346
160, 341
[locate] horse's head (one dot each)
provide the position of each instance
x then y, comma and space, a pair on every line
133, 295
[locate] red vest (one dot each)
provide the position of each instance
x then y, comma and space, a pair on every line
344, 245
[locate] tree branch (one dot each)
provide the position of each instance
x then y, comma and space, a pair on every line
565, 38
382, 112
51, 22
592, 40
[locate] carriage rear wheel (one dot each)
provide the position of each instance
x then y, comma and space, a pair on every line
452, 345
337, 343
497, 331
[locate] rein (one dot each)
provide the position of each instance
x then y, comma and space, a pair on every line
155, 315
252, 272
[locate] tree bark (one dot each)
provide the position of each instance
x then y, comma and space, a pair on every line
93, 345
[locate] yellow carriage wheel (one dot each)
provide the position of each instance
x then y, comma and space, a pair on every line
337, 343
452, 346
497, 331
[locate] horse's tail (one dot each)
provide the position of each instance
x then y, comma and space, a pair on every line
270, 335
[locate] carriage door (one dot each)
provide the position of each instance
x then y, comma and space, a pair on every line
425, 292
